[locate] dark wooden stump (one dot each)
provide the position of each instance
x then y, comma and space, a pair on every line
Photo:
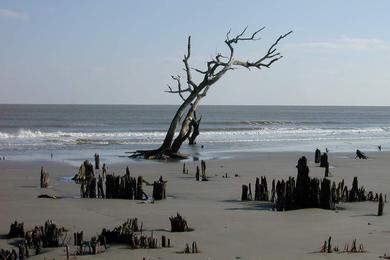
159, 189
44, 178
178, 224
380, 205
139, 192
317, 156
324, 160
16, 230
244, 193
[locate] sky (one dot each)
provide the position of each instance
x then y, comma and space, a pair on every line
123, 52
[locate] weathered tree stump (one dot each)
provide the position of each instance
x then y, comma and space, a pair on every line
178, 224
159, 192
16, 230
303, 184
97, 161
244, 193
203, 166
380, 205
197, 175
139, 191
325, 195
100, 187
317, 156
44, 178
324, 160
327, 171
354, 192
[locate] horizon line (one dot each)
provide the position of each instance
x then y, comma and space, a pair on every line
246, 105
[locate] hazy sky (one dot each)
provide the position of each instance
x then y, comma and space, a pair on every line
123, 52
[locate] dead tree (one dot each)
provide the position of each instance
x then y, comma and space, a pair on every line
215, 70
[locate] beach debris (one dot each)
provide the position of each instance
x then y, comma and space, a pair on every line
178, 223
360, 155
317, 156
16, 230
380, 205
46, 196
44, 178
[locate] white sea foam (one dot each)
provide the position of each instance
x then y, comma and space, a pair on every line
27, 137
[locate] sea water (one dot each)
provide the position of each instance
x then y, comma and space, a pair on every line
76, 132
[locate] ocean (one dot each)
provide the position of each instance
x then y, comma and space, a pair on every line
75, 132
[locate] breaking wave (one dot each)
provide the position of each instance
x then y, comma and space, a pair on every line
25, 137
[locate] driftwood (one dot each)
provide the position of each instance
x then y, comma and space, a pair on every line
178, 224
44, 178
360, 155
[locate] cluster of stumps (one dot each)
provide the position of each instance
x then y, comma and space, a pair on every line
116, 186
130, 233
307, 192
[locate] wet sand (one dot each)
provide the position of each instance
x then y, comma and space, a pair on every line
224, 227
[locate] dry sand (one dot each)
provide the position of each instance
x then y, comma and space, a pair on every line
224, 227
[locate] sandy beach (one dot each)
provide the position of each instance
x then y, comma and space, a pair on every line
224, 227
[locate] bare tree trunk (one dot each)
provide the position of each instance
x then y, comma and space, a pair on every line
216, 68
195, 131
187, 128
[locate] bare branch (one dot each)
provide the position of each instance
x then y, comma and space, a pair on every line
190, 83
199, 71
240, 38
179, 90
268, 59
